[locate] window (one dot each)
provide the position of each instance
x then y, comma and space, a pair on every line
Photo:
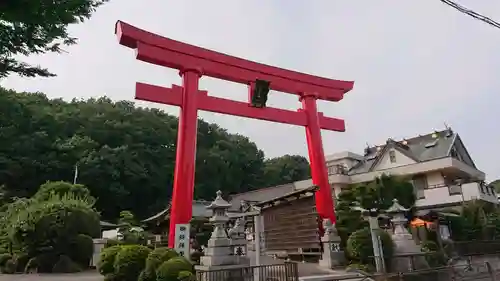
419, 185
392, 156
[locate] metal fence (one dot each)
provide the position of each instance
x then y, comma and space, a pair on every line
466, 272
274, 272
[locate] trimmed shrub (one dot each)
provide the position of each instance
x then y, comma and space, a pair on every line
154, 260
65, 265
360, 247
21, 261
130, 261
83, 249
112, 242
186, 276
4, 258
106, 262
9, 267
170, 270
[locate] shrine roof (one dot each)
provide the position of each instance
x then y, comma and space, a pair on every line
291, 196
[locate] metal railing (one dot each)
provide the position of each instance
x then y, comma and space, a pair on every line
467, 272
274, 272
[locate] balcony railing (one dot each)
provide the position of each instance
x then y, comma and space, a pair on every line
337, 170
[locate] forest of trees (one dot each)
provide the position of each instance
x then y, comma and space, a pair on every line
125, 155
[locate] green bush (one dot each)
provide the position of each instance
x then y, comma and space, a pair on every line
368, 268
170, 270
434, 257
52, 225
106, 262
112, 242
9, 267
360, 247
4, 258
186, 276
83, 249
154, 260
130, 261
21, 261
60, 189
65, 265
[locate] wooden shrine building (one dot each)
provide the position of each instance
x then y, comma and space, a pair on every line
291, 224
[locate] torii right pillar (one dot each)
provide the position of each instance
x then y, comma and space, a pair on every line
324, 200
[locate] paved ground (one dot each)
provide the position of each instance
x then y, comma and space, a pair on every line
84, 276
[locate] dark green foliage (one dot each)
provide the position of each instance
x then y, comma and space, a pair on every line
53, 225
61, 188
21, 261
157, 257
9, 267
286, 169
360, 247
170, 270
112, 242
4, 258
434, 256
125, 155
106, 262
186, 276
111, 277
65, 265
130, 261
83, 249
376, 194
37, 27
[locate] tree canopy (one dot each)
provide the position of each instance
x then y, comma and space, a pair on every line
124, 155
37, 27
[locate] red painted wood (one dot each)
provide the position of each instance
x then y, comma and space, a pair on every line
173, 96
163, 51
193, 61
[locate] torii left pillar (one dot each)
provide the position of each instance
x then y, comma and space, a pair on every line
186, 153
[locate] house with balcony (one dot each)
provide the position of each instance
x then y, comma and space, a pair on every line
438, 164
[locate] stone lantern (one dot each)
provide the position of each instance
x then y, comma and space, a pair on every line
218, 250
407, 254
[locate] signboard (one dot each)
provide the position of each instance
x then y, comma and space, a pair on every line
182, 241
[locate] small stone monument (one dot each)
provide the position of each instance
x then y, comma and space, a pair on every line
239, 242
332, 256
410, 254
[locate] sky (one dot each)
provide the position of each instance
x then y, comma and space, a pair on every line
416, 65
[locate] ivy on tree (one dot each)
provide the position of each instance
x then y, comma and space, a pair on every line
37, 27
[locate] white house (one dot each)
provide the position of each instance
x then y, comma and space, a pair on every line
438, 164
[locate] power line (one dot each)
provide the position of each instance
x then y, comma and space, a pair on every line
471, 13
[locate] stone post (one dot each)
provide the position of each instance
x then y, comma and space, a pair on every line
332, 256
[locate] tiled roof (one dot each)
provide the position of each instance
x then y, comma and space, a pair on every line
422, 148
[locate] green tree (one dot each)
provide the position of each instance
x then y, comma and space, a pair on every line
125, 155
37, 27
496, 185
378, 194
286, 169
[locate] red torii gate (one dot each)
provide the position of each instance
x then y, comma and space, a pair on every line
193, 62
